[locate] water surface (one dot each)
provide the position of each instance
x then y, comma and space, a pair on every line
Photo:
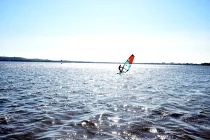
91, 101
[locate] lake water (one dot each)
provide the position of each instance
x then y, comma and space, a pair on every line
90, 101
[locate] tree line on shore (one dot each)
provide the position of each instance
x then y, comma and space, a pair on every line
21, 59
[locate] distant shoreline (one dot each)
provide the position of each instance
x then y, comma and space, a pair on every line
21, 59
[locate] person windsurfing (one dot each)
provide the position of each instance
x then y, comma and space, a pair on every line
127, 65
120, 69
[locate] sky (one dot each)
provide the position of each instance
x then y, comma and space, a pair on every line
106, 30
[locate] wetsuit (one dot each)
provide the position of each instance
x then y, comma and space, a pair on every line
120, 69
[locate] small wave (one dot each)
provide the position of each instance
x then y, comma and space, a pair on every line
3, 120
88, 123
4, 100
6, 130
23, 135
52, 121
176, 115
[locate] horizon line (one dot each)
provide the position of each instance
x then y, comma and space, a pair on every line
16, 58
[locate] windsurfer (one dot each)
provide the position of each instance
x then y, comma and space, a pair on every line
127, 65
120, 68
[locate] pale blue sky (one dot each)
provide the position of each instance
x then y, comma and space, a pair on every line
106, 30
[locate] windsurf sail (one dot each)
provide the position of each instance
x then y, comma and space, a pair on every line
127, 65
